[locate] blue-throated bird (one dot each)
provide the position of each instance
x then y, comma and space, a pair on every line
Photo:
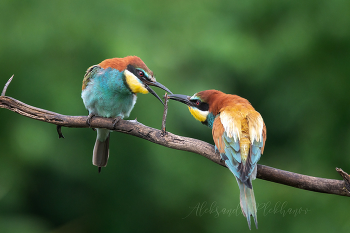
239, 133
109, 90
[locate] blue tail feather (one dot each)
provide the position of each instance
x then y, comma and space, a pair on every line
244, 173
247, 201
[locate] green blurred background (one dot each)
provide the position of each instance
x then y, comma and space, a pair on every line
290, 59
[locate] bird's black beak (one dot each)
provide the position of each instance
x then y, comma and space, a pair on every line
156, 84
181, 98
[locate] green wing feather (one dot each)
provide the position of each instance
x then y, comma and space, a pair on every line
91, 71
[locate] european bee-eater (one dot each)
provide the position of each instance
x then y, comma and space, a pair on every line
239, 133
109, 90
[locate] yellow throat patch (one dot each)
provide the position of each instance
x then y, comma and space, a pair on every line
198, 114
134, 84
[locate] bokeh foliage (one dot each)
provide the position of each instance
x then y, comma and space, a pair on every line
289, 58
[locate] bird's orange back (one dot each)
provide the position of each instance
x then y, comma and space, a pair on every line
241, 110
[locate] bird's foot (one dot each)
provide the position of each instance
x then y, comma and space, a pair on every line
99, 169
88, 121
116, 120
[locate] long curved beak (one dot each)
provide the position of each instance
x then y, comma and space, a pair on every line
181, 98
156, 84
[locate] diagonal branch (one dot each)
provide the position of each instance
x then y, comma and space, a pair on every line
132, 127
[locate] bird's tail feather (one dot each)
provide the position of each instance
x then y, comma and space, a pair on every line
101, 151
247, 201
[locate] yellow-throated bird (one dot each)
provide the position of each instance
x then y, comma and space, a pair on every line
109, 90
239, 133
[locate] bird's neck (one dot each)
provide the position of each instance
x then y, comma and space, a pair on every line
133, 83
113, 80
210, 120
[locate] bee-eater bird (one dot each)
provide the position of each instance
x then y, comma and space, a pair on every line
239, 133
109, 90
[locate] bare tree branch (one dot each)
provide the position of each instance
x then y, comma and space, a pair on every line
132, 127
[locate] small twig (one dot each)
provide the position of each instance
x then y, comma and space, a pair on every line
165, 114
346, 178
60, 135
6, 85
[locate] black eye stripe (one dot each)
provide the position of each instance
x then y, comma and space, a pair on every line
203, 106
137, 72
200, 105
142, 74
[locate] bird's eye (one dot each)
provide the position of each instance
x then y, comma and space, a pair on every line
141, 74
198, 102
